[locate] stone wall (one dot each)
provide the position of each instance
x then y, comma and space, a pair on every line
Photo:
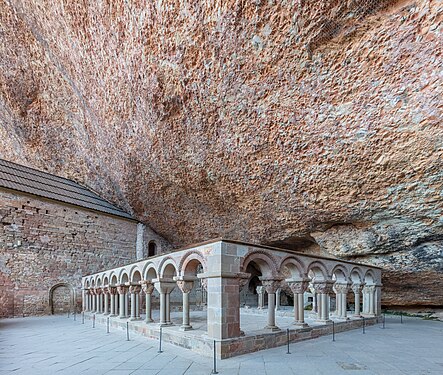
44, 243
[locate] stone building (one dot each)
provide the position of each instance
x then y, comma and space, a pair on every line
52, 232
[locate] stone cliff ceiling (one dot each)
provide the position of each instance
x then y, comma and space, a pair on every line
288, 122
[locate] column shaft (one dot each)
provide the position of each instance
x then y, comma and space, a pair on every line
271, 311
301, 308
148, 309
122, 311
133, 313
163, 308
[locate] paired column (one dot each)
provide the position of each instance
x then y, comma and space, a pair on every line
261, 297
323, 289
357, 288
106, 300
135, 301
164, 287
271, 287
94, 301
277, 298
148, 288
299, 288
369, 300
122, 290
114, 301
341, 292
185, 287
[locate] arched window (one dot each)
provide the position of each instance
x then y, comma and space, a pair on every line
152, 248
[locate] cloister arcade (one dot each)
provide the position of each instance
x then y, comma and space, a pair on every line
222, 269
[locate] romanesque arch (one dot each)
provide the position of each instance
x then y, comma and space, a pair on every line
62, 298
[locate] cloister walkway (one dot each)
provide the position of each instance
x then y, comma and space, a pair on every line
58, 345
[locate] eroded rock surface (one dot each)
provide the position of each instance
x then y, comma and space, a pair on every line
309, 124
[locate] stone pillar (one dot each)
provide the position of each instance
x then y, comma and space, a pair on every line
148, 288
164, 287
261, 297
223, 304
94, 301
299, 288
377, 300
277, 298
324, 288
356, 288
106, 298
341, 293
122, 290
112, 293
368, 300
271, 287
185, 287
135, 301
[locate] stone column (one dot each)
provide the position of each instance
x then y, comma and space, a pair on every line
112, 293
299, 288
106, 298
135, 303
94, 300
271, 287
277, 298
122, 290
341, 292
185, 287
164, 287
324, 288
261, 297
356, 288
368, 300
148, 288
100, 300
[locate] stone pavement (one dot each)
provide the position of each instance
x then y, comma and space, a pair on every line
58, 345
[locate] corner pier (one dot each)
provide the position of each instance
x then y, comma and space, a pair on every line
223, 269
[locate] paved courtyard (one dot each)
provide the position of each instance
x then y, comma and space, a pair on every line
58, 345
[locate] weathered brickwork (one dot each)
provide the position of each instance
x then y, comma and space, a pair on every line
44, 243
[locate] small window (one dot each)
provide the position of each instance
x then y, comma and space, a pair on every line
152, 248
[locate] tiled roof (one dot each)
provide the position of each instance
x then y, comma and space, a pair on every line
28, 180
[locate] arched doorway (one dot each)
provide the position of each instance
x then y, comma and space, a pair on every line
152, 248
61, 298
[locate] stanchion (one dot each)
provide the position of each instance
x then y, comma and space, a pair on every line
401, 318
75, 317
107, 325
127, 331
287, 340
68, 314
214, 370
384, 320
363, 325
160, 342
83, 317
93, 321
333, 331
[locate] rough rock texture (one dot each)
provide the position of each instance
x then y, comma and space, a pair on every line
305, 124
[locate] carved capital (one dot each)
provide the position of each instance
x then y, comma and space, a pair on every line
98, 291
271, 286
204, 283
106, 290
122, 289
298, 287
135, 289
113, 290
357, 288
185, 286
323, 287
341, 288
242, 282
260, 289
147, 287
369, 289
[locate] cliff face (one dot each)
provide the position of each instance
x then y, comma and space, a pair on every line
311, 125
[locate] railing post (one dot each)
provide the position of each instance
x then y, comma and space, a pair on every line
333, 331
93, 321
214, 370
127, 331
287, 340
363, 325
160, 342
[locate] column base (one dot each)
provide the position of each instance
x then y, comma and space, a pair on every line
186, 328
123, 317
166, 324
147, 321
328, 321
112, 315
342, 318
134, 319
300, 324
106, 314
273, 328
